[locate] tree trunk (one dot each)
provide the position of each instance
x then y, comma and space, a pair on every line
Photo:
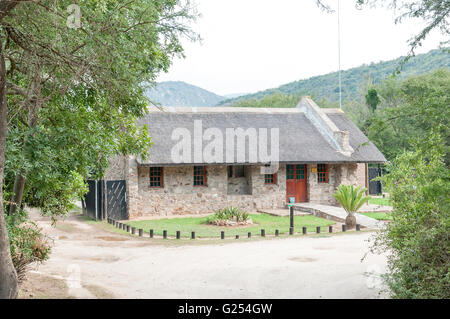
19, 186
8, 275
350, 221
33, 117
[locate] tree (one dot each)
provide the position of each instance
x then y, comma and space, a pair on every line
351, 199
417, 239
372, 99
8, 275
435, 14
106, 58
410, 109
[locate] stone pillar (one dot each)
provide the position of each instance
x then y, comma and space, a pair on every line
362, 175
132, 180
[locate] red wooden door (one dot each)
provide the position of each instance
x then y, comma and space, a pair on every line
296, 183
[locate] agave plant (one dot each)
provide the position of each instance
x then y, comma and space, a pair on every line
229, 213
351, 199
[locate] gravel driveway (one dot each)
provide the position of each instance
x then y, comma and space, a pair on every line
96, 263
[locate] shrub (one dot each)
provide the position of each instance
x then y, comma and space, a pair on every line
28, 244
417, 239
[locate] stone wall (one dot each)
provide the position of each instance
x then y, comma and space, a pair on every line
116, 170
322, 193
180, 197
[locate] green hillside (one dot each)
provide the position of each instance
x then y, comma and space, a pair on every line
326, 86
182, 94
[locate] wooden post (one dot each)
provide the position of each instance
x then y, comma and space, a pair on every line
151, 233
358, 227
128, 228
305, 230
277, 232
193, 235
249, 235
133, 230
141, 232
330, 229
222, 235
165, 234
237, 236
178, 234
263, 233
318, 229
344, 228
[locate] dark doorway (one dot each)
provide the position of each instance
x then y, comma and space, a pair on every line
94, 200
375, 187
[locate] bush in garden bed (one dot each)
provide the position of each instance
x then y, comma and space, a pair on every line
230, 216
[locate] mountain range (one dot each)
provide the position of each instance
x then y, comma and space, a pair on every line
327, 86
177, 93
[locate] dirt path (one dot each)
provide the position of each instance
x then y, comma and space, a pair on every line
88, 262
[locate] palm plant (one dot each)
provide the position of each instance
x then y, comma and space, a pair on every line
351, 199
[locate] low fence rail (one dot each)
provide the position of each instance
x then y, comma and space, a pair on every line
222, 235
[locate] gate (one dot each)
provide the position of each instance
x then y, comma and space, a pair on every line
375, 187
116, 194
93, 200
106, 199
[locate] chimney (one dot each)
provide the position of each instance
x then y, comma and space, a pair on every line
340, 140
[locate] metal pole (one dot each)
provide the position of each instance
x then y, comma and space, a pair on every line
339, 53
291, 217
96, 201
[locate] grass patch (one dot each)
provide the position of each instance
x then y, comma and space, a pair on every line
203, 230
378, 216
380, 201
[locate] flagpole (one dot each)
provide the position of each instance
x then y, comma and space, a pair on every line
339, 53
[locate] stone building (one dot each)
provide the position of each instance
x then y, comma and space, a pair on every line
204, 159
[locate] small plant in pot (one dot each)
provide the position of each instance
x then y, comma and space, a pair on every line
351, 199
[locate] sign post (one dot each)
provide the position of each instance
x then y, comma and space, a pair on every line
291, 215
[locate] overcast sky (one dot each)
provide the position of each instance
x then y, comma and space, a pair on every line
252, 45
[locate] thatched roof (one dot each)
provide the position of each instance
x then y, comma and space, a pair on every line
300, 141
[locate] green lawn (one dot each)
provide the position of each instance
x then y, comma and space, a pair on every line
379, 216
198, 224
380, 201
